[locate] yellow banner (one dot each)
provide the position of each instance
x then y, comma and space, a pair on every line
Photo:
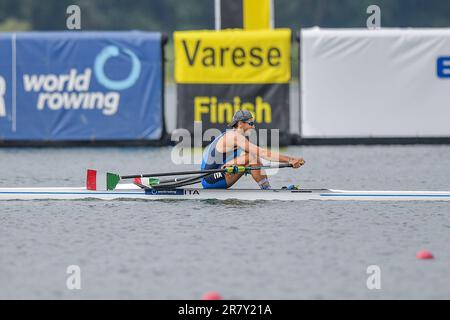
233, 56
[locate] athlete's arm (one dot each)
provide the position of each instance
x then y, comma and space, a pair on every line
251, 148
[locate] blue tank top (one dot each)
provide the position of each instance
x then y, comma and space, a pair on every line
213, 159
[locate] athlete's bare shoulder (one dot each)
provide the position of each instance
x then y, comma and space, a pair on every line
231, 133
228, 141
232, 136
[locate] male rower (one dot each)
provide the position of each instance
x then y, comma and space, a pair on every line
226, 149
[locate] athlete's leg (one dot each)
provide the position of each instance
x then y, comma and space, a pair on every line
232, 178
247, 160
259, 176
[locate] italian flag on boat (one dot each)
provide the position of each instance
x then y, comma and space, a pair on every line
96, 180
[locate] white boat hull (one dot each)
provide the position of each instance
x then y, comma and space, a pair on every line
132, 192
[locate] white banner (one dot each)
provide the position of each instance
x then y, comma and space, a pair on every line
360, 83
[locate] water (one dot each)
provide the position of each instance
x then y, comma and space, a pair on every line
244, 250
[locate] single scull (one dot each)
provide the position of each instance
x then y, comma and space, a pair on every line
112, 186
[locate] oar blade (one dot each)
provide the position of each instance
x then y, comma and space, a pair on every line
146, 182
97, 180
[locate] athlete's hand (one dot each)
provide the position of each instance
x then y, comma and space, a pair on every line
297, 162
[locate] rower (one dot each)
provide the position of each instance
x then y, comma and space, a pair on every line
232, 148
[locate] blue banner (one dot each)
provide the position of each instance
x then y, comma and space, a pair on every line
81, 86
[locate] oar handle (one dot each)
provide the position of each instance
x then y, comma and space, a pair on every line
283, 165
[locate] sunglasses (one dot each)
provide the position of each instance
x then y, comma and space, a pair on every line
251, 123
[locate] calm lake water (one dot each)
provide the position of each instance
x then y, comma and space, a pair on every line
243, 250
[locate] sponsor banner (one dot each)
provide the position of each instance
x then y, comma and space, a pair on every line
233, 56
388, 83
67, 86
215, 104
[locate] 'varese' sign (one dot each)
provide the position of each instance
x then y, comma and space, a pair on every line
220, 72
233, 56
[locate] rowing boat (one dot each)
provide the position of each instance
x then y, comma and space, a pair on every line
133, 192
111, 186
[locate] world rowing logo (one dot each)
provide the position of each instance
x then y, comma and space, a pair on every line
72, 91
156, 192
102, 78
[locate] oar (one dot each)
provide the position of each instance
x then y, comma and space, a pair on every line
113, 179
179, 182
230, 169
165, 183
